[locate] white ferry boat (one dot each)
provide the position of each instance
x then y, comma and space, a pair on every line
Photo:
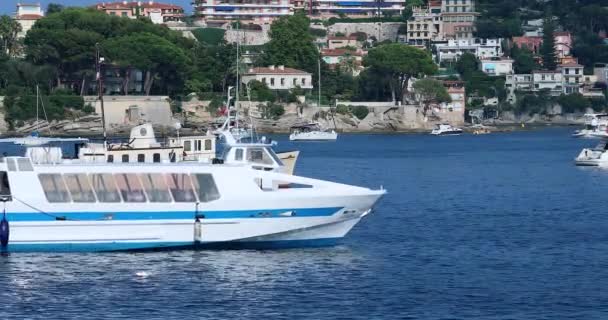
446, 130
130, 206
311, 132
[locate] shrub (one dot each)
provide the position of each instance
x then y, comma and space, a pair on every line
342, 109
318, 33
573, 102
272, 111
88, 108
211, 36
360, 112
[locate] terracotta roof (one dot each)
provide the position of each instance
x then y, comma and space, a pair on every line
561, 34
434, 3
546, 71
275, 70
134, 4
571, 65
29, 17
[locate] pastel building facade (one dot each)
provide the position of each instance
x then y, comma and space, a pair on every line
27, 14
157, 12
279, 77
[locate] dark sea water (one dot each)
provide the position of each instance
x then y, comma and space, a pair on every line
499, 226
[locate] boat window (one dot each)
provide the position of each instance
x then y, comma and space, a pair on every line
257, 155
10, 163
187, 145
54, 187
205, 187
130, 187
24, 164
156, 157
141, 157
238, 154
79, 186
105, 187
155, 187
5, 187
208, 144
180, 187
110, 158
125, 158
274, 156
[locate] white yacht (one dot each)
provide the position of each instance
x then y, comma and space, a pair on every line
596, 125
76, 206
597, 156
445, 129
311, 132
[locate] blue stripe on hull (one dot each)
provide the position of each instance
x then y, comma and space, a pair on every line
138, 246
169, 215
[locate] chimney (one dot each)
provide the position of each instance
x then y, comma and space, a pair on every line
281, 67
271, 67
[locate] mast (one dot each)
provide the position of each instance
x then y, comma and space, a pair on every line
37, 107
319, 65
236, 95
98, 62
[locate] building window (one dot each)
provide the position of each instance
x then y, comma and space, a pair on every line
187, 145
141, 157
110, 158
303, 81
156, 157
272, 82
125, 158
208, 145
264, 80
282, 82
295, 82
124, 14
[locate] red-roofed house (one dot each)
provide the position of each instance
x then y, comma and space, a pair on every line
563, 43
27, 15
531, 43
279, 77
156, 11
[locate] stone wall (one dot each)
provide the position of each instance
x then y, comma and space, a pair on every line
248, 37
381, 30
131, 110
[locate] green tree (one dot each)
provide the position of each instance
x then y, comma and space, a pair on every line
430, 91
259, 91
467, 64
156, 56
53, 8
400, 63
9, 29
524, 61
547, 49
291, 44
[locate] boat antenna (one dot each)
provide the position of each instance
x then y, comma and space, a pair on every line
98, 67
37, 103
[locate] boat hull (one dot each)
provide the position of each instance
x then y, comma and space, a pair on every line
74, 236
314, 136
289, 159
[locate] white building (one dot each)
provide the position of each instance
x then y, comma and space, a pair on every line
27, 15
550, 80
518, 82
357, 8
279, 78
497, 66
572, 74
424, 26
481, 48
260, 11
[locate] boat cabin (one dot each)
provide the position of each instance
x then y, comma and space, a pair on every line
144, 147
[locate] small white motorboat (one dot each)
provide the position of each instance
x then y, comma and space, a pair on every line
595, 126
311, 132
445, 129
597, 156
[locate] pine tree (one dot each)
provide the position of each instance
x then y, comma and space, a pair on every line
547, 50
